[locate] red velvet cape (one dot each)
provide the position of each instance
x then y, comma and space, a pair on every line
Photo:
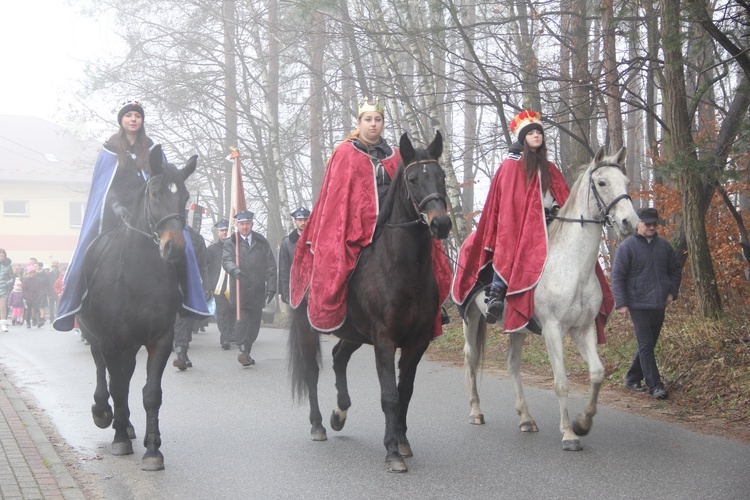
512, 236
342, 223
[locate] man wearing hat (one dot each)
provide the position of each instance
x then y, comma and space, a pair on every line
286, 251
249, 260
218, 280
646, 278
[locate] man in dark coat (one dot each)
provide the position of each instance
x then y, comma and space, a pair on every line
224, 315
255, 268
183, 325
286, 251
646, 278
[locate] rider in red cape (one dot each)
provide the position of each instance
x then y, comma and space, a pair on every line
343, 223
512, 233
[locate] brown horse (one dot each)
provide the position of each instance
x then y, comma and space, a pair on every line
133, 297
392, 301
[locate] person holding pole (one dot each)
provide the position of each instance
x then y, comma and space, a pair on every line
249, 261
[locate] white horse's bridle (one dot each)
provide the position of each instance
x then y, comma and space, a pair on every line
602, 205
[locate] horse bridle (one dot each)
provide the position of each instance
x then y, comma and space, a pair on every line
153, 227
600, 203
418, 207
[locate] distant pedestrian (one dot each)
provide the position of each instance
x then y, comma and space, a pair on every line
646, 278
286, 251
183, 325
16, 303
34, 292
218, 279
6, 286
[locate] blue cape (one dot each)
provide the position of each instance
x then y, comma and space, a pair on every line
74, 283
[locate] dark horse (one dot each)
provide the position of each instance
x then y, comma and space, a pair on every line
392, 301
132, 301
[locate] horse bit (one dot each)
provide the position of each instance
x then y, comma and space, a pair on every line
600, 203
153, 227
418, 207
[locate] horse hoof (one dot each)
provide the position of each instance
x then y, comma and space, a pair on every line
396, 465
404, 449
131, 431
122, 448
152, 463
319, 434
579, 429
179, 364
102, 420
338, 419
571, 445
528, 427
476, 419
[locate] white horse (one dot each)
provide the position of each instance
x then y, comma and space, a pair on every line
567, 297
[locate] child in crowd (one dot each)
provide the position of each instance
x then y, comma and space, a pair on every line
15, 302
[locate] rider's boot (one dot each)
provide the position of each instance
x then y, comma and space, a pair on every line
494, 301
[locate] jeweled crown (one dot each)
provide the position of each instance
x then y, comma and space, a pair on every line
366, 105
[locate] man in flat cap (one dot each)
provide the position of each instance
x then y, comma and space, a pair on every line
256, 272
286, 251
224, 314
646, 278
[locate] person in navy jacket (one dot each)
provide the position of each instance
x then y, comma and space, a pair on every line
646, 278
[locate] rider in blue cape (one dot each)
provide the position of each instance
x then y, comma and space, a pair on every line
121, 170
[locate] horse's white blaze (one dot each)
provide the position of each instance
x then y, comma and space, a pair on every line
172, 188
567, 298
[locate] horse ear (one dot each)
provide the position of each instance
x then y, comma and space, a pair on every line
155, 159
189, 168
620, 160
406, 148
599, 155
436, 146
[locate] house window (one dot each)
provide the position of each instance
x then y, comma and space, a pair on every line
15, 208
77, 208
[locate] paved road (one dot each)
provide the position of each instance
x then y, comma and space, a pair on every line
233, 432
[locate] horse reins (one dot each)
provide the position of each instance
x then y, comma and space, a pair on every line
153, 227
418, 207
600, 203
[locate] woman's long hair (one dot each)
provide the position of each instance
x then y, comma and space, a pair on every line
140, 148
536, 161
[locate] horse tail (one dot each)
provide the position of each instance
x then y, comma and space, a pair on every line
304, 349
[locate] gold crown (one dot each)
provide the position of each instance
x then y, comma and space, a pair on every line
366, 105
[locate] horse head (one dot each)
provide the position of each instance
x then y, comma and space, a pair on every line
609, 186
164, 202
425, 183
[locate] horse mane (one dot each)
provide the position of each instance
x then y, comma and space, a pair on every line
386, 209
582, 170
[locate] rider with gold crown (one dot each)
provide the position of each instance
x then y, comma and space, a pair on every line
343, 221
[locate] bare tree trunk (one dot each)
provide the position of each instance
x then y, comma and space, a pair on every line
612, 92
317, 88
581, 99
682, 154
230, 97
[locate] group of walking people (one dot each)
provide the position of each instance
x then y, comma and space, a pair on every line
317, 257
28, 293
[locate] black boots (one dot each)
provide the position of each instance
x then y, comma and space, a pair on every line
244, 357
495, 306
182, 362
